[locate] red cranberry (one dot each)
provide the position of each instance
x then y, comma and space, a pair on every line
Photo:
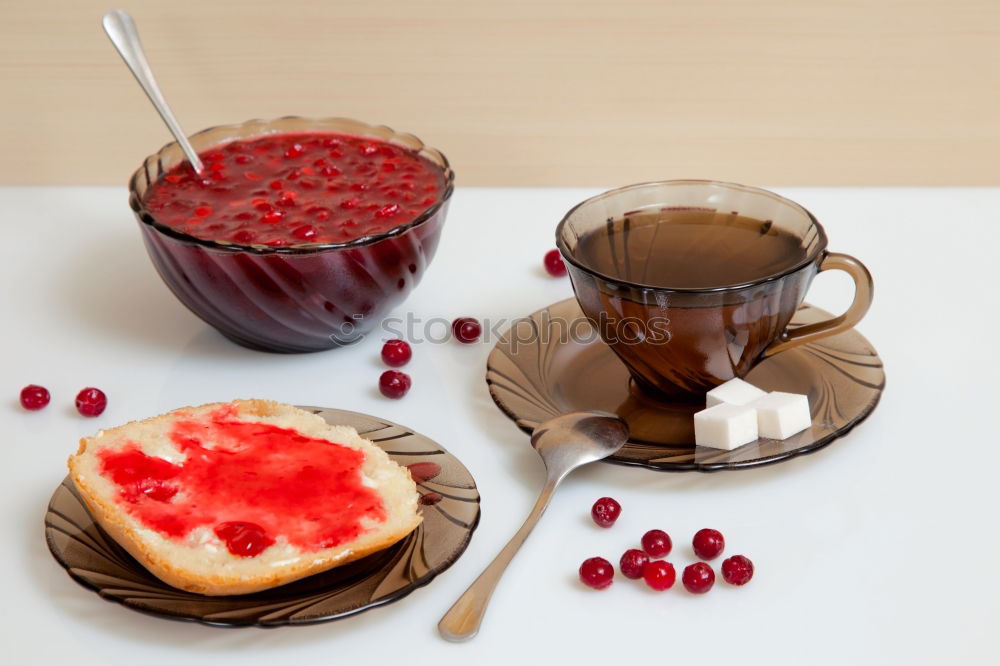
606, 511
34, 397
396, 353
597, 573
305, 232
388, 210
698, 578
708, 543
91, 402
394, 384
466, 329
657, 543
243, 539
554, 264
737, 570
660, 575
633, 563
158, 490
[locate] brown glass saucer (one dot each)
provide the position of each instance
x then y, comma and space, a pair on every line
553, 362
449, 503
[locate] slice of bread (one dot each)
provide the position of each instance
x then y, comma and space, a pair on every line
315, 496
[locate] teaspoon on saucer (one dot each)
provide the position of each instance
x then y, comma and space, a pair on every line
564, 443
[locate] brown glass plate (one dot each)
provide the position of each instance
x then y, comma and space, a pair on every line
553, 362
450, 506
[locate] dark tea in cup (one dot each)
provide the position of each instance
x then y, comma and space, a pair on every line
689, 248
691, 283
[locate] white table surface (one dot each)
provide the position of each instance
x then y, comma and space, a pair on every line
879, 549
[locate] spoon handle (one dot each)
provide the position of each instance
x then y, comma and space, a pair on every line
124, 35
462, 621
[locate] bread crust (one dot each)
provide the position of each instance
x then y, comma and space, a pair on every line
236, 575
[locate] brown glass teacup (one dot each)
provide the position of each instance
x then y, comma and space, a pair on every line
690, 306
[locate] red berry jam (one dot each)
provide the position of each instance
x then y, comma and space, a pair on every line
633, 563
293, 189
466, 329
247, 247
247, 482
597, 573
396, 353
657, 543
243, 539
659, 575
91, 402
421, 472
708, 543
737, 570
394, 384
554, 264
698, 578
605, 511
430, 499
34, 397
140, 477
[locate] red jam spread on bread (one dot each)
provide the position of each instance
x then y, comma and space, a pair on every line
243, 539
248, 483
296, 189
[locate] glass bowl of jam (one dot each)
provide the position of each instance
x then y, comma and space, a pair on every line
300, 234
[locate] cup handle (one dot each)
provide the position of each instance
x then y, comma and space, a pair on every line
863, 291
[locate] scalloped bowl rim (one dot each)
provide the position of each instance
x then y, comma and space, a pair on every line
138, 205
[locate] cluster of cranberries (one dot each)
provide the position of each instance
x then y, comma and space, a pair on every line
89, 402
647, 563
392, 383
397, 353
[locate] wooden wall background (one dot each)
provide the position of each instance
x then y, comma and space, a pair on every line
531, 92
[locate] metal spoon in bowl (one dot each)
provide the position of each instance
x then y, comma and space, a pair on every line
564, 443
124, 35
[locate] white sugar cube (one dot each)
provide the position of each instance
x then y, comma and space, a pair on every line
781, 415
725, 426
735, 392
